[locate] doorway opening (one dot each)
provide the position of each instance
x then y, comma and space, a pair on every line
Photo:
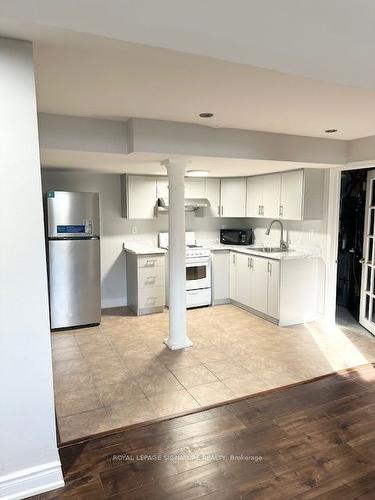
350, 247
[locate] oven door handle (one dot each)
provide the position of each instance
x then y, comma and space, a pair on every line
197, 262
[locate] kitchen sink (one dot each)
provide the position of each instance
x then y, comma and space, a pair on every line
269, 249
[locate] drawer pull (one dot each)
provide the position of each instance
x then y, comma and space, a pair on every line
150, 263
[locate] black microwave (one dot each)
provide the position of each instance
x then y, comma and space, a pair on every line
236, 236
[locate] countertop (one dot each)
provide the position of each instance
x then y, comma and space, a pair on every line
143, 249
293, 254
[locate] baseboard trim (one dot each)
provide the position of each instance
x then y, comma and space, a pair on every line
31, 481
220, 302
255, 312
115, 302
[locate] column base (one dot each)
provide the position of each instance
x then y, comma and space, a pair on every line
181, 345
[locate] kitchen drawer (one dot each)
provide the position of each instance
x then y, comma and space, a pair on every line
151, 261
151, 297
151, 276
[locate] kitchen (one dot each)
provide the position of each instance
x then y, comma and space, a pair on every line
254, 338
243, 209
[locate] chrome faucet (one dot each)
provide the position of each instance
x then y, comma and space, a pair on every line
283, 244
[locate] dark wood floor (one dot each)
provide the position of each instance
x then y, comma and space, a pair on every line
315, 440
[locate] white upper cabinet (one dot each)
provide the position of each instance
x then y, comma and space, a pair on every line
138, 196
213, 196
195, 187
263, 196
254, 196
291, 195
208, 188
162, 190
271, 195
301, 195
233, 197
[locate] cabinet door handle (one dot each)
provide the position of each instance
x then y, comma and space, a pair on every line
234, 258
248, 262
259, 210
218, 210
281, 211
269, 268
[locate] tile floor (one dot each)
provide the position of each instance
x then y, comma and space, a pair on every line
120, 373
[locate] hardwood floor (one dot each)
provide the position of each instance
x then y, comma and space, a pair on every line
315, 440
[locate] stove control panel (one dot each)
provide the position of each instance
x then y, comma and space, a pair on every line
198, 252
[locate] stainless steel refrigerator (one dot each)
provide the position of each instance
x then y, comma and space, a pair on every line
73, 258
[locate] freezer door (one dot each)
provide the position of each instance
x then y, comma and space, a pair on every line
74, 282
72, 214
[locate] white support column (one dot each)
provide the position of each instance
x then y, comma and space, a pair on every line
178, 338
29, 457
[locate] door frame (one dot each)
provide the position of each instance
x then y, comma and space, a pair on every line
333, 221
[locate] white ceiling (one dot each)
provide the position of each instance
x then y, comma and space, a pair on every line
106, 78
146, 163
325, 40
80, 74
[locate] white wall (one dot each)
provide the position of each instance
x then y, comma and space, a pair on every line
160, 136
29, 461
115, 230
75, 133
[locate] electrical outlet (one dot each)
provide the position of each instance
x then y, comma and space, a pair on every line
134, 229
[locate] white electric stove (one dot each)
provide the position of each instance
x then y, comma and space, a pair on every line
198, 271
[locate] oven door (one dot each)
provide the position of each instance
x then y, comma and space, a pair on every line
198, 274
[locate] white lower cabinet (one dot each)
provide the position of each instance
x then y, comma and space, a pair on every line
249, 280
145, 278
233, 275
284, 291
258, 298
220, 277
273, 290
243, 278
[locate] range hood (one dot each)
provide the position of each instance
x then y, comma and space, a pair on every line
191, 204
